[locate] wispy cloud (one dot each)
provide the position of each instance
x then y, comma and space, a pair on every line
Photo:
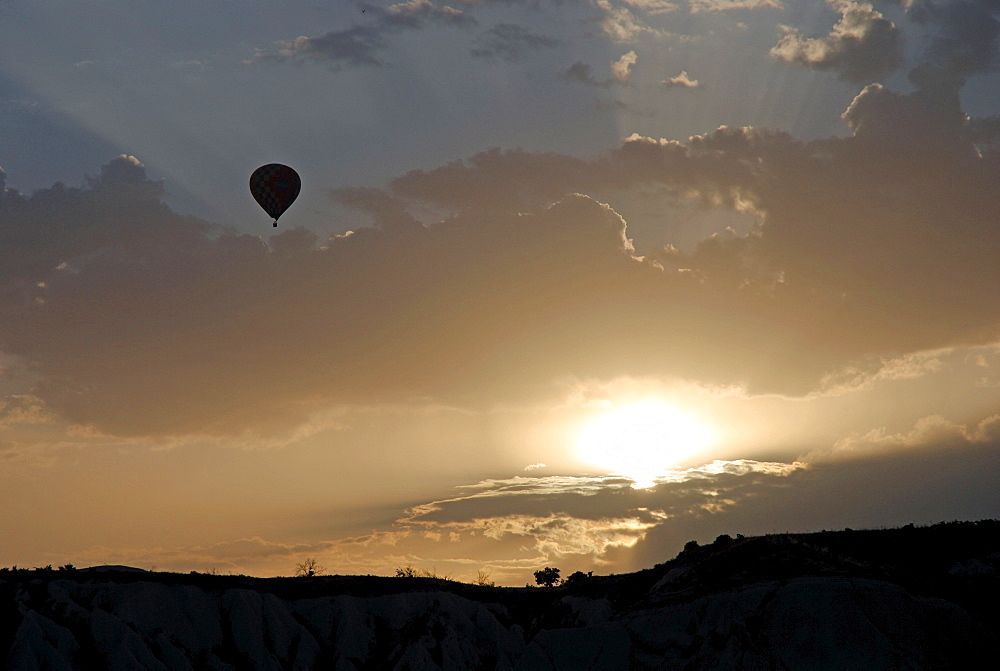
352, 47
515, 525
733, 5
582, 73
509, 42
933, 431
23, 409
652, 7
620, 23
362, 44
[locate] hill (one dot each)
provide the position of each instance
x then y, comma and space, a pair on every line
907, 598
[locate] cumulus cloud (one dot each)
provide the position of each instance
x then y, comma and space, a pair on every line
683, 80
963, 35
362, 44
862, 46
816, 212
868, 248
509, 42
113, 314
621, 69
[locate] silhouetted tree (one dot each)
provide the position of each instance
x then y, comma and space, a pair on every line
577, 578
547, 577
309, 568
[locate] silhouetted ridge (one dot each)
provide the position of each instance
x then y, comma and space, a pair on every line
907, 598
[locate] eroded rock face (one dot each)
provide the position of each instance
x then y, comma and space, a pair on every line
805, 623
809, 622
143, 625
812, 612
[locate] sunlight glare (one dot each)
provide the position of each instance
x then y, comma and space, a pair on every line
642, 441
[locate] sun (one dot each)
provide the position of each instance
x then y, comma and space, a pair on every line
642, 440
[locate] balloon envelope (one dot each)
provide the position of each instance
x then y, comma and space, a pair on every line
275, 187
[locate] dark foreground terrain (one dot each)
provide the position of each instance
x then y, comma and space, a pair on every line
909, 598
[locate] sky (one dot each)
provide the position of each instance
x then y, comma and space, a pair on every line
569, 282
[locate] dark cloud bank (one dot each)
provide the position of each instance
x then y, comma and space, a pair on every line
140, 320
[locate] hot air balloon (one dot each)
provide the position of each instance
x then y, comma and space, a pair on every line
275, 187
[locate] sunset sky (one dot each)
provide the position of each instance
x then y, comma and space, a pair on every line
569, 282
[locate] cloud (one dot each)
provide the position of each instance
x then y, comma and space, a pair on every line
922, 484
866, 373
862, 46
732, 5
816, 212
963, 38
509, 42
515, 525
928, 122
138, 321
933, 431
582, 73
352, 47
620, 23
415, 13
683, 80
586, 516
621, 69
23, 409
361, 45
653, 7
